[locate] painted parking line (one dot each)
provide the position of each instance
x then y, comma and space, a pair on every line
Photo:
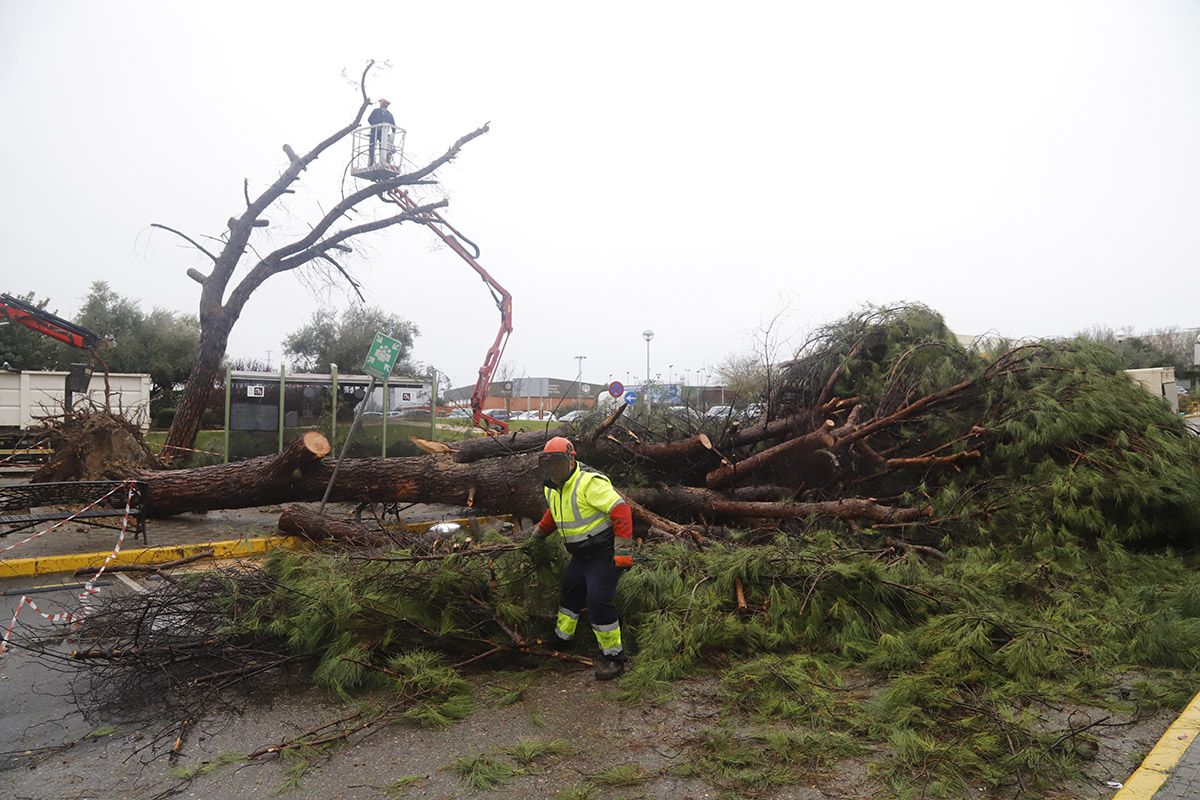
1156, 768
131, 583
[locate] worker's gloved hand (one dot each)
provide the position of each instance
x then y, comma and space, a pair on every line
533, 540
623, 561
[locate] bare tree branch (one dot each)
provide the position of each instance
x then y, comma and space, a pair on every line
355, 285
381, 188
272, 265
334, 241
186, 238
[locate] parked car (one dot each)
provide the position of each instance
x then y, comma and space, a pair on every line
496, 413
537, 416
572, 416
683, 412
719, 412
458, 413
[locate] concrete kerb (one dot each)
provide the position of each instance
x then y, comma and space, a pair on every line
1164, 757
250, 547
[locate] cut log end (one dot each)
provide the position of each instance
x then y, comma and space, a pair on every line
316, 443
427, 446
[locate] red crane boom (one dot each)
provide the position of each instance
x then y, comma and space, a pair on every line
448, 234
45, 323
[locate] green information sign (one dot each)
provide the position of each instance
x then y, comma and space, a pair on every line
384, 352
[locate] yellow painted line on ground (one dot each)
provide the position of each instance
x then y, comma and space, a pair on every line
230, 548
1156, 768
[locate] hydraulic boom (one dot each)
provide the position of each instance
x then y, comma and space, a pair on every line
45, 323
448, 234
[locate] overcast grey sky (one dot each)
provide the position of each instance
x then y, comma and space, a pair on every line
1028, 168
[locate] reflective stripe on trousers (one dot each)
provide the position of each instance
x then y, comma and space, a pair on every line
609, 637
564, 628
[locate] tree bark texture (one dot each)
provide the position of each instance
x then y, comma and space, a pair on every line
511, 485
298, 474
301, 521
198, 390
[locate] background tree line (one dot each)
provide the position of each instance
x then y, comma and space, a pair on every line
165, 343
159, 342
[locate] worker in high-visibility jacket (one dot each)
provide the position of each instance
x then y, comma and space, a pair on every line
597, 529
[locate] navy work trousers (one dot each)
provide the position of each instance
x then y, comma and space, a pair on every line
592, 582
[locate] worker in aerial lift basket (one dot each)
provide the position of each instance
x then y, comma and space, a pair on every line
383, 132
597, 528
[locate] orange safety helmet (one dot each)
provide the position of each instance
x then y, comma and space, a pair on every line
559, 447
383, 102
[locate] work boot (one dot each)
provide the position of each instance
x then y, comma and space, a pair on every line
609, 667
560, 645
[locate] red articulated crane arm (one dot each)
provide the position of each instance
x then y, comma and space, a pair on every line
447, 233
47, 324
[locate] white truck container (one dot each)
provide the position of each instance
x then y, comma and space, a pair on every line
27, 395
1160, 382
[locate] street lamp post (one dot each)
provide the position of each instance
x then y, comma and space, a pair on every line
578, 372
647, 335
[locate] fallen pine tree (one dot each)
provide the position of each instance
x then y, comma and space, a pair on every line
918, 553
883, 421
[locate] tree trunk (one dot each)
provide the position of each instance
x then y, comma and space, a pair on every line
299, 474
301, 521
510, 485
193, 401
496, 446
704, 504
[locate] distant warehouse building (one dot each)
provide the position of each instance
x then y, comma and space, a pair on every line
520, 395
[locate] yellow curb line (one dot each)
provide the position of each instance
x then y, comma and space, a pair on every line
1157, 766
230, 548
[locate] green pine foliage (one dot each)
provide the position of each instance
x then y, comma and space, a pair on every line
527, 751
757, 762
482, 773
1071, 447
1058, 589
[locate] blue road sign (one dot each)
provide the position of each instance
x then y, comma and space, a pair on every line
616, 389
631, 398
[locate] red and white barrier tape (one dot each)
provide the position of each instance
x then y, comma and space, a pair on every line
62, 522
89, 589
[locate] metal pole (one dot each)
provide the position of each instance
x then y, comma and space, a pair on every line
228, 387
433, 403
345, 445
333, 422
282, 390
383, 444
